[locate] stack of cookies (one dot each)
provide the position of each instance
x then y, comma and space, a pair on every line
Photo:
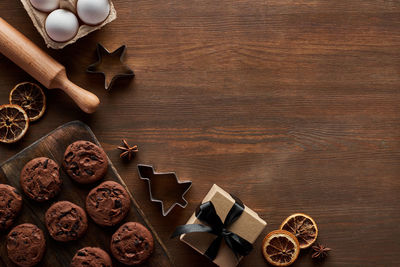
107, 205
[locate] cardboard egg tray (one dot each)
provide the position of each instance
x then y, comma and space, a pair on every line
39, 19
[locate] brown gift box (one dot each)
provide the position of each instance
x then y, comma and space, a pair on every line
249, 226
39, 18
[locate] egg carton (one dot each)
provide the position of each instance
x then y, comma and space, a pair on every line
39, 18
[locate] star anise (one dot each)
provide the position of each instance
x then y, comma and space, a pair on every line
128, 151
320, 251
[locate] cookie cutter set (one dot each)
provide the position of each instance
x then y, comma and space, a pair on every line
147, 173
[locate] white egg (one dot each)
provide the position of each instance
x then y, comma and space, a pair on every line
45, 5
93, 12
61, 25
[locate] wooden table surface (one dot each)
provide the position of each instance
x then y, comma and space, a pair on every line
291, 105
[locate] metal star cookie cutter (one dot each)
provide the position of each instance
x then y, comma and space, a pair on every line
110, 65
163, 190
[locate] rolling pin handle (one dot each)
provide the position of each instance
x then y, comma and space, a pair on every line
86, 100
41, 66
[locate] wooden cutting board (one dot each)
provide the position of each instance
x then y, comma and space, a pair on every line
60, 254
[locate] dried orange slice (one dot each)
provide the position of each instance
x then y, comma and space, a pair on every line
14, 123
31, 98
280, 248
303, 227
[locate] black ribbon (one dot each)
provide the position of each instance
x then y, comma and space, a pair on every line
206, 213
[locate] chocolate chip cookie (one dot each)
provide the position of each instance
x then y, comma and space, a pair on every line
108, 203
40, 179
66, 221
132, 243
10, 205
26, 245
93, 257
85, 162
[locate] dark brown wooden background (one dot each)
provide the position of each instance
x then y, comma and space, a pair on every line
294, 106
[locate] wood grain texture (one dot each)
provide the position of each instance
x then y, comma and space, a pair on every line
291, 105
60, 254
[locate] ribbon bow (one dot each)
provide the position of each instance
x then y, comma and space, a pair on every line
207, 214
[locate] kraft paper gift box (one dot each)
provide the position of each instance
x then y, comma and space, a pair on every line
248, 226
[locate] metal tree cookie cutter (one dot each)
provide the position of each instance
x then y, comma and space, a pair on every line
110, 65
164, 188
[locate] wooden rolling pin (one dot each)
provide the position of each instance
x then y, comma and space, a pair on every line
42, 67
